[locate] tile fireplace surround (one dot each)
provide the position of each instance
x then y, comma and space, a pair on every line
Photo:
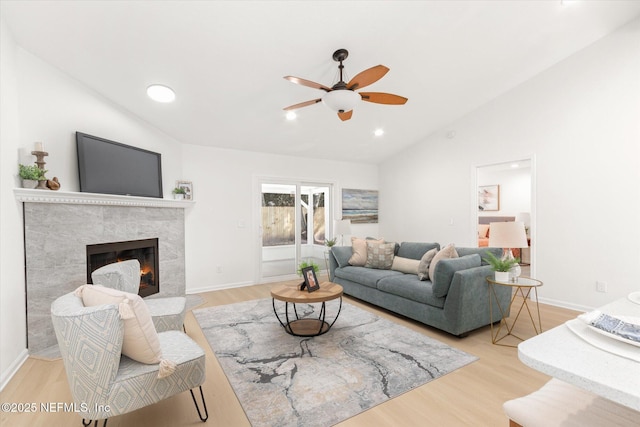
59, 225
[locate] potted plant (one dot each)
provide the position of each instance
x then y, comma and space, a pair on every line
30, 175
178, 193
501, 266
305, 264
330, 242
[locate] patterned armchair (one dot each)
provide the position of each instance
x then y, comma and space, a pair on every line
167, 313
103, 382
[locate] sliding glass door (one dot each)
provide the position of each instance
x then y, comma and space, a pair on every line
295, 217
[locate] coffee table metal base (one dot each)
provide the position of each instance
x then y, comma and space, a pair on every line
305, 327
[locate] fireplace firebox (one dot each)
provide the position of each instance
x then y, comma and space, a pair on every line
145, 251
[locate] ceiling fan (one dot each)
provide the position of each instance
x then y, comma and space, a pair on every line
342, 97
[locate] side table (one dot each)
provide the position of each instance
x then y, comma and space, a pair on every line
523, 288
304, 326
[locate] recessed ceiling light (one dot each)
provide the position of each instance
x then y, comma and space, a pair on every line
378, 132
291, 115
161, 93
515, 165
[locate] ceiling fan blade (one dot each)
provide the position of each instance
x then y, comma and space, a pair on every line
383, 98
302, 104
346, 115
308, 83
367, 77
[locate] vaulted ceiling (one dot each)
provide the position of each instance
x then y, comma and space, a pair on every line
226, 60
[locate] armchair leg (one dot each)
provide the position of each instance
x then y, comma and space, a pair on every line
204, 404
87, 423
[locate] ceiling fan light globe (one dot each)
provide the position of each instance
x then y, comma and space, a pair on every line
341, 100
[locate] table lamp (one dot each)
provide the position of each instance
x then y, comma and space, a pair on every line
342, 227
508, 235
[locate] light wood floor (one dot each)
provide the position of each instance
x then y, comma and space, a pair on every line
470, 396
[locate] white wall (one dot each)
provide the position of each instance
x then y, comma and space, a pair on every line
54, 106
221, 228
515, 189
12, 300
580, 120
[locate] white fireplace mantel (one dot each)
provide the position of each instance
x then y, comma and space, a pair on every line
71, 197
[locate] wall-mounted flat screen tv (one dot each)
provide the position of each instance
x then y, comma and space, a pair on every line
110, 167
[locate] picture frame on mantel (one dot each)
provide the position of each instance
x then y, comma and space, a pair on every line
488, 198
188, 189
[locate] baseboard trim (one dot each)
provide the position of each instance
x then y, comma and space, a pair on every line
565, 304
219, 287
13, 368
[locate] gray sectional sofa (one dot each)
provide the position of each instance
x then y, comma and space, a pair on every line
455, 300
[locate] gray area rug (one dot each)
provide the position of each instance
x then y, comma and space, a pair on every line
282, 380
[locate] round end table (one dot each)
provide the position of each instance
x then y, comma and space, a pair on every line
291, 295
522, 287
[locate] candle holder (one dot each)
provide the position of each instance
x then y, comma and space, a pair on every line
40, 155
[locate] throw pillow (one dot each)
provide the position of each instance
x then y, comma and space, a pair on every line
425, 262
141, 341
448, 251
380, 255
359, 248
405, 265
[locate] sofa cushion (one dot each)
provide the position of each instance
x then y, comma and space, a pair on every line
359, 248
480, 251
365, 276
425, 262
448, 251
380, 255
140, 341
342, 255
410, 287
405, 265
415, 250
446, 268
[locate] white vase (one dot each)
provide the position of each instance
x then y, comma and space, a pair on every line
502, 276
178, 196
515, 272
29, 183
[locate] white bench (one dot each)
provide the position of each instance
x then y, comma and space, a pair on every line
560, 404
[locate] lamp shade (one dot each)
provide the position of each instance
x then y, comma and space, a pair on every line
341, 100
507, 235
342, 226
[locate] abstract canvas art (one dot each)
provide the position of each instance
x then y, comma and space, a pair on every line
489, 198
360, 206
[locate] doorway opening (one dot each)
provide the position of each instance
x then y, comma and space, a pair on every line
506, 192
295, 220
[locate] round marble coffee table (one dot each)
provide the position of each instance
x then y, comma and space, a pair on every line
292, 295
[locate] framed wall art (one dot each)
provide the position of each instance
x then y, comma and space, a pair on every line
360, 206
188, 189
488, 198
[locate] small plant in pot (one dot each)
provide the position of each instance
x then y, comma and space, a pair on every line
501, 266
30, 175
305, 264
330, 242
178, 193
